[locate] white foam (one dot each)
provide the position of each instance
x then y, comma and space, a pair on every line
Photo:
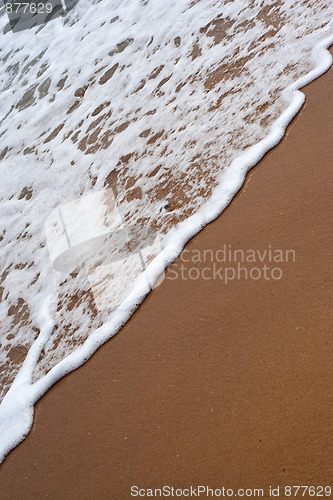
189, 129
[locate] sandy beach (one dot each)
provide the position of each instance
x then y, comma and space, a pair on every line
211, 383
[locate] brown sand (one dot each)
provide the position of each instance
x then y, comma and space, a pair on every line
224, 385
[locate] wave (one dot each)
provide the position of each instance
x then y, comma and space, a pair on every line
117, 119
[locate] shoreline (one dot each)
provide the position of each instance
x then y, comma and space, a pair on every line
279, 213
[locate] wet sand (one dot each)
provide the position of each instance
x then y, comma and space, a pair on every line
225, 385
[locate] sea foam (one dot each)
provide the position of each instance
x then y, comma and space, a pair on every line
167, 105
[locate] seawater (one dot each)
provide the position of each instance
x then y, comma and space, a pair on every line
165, 105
